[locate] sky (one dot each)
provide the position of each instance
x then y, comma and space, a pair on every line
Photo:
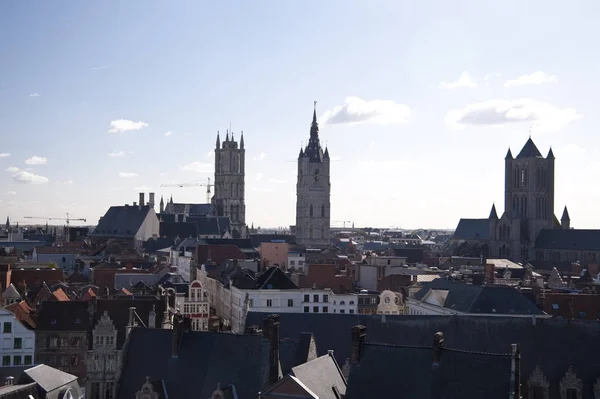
418, 103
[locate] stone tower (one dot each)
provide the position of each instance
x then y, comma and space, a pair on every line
528, 204
313, 191
228, 199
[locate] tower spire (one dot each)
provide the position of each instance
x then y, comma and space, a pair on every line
314, 121
242, 140
218, 140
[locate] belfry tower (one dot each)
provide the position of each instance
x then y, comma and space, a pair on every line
229, 188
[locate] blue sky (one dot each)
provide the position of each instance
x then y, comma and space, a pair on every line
436, 92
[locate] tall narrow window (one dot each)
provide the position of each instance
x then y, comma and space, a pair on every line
322, 211
311, 210
523, 177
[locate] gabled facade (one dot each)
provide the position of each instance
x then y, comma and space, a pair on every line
18, 341
195, 305
10, 295
103, 360
313, 191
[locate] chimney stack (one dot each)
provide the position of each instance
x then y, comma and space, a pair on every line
151, 200
438, 343
178, 329
130, 324
10, 380
359, 334
152, 318
271, 332
515, 372
142, 203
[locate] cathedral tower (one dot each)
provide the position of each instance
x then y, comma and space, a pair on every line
313, 191
228, 199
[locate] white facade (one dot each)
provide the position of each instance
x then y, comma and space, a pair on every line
18, 342
183, 262
232, 304
195, 305
378, 267
66, 261
390, 303
297, 260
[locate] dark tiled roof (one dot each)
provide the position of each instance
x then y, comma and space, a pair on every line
20, 391
258, 238
210, 225
191, 209
321, 375
475, 299
472, 229
122, 221
287, 354
529, 150
412, 255
241, 243
274, 278
156, 244
63, 316
390, 372
118, 311
171, 230
218, 253
570, 240
205, 360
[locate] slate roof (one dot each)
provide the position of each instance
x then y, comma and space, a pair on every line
156, 244
171, 230
205, 359
118, 311
472, 229
63, 316
570, 240
20, 391
480, 334
274, 278
322, 374
241, 243
474, 299
529, 150
460, 374
210, 225
121, 221
257, 239
412, 255
49, 378
218, 253
191, 209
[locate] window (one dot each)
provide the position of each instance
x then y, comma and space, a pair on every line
290, 303
322, 211
342, 311
53, 342
325, 298
292, 263
325, 309
74, 360
75, 342
351, 310
315, 309
306, 309
7, 328
306, 298
311, 210
582, 315
28, 360
18, 343
555, 306
537, 393
5, 361
64, 360
572, 393
315, 298
251, 302
64, 342
269, 303
17, 361
386, 300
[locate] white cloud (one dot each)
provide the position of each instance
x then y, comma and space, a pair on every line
547, 117
464, 80
573, 151
127, 174
259, 176
116, 154
4, 155
167, 134
12, 169
162, 174
35, 160
25, 177
68, 182
198, 167
34, 95
124, 125
260, 156
210, 154
356, 110
490, 76
142, 188
277, 181
536, 78
11, 193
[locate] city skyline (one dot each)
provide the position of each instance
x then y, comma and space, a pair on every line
97, 103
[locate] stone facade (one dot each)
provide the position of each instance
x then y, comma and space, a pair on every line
64, 350
103, 361
229, 183
313, 191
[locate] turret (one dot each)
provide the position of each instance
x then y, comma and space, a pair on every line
550, 154
565, 220
493, 213
218, 140
242, 140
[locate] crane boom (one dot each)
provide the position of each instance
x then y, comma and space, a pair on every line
193, 184
67, 219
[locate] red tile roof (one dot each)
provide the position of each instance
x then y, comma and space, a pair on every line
218, 253
60, 295
21, 311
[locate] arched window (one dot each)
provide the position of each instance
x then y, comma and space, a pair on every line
311, 210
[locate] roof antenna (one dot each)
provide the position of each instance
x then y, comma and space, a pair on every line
529, 131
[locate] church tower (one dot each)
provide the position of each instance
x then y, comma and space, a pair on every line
313, 191
229, 187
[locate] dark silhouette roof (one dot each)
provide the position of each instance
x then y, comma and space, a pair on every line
63, 316
191, 209
257, 239
473, 299
565, 215
493, 213
529, 150
460, 374
274, 278
218, 253
205, 359
177, 229
472, 229
241, 243
122, 221
571, 239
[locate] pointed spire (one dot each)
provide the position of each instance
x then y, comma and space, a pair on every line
326, 155
218, 140
493, 213
315, 113
509, 154
550, 154
242, 140
529, 150
565, 215
227, 136
171, 201
7, 222
301, 152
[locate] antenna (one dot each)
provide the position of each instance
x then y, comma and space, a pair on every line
530, 130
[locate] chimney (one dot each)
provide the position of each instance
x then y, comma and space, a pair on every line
130, 323
151, 200
134, 204
152, 318
515, 373
271, 332
10, 380
489, 269
438, 343
253, 330
142, 203
178, 330
359, 334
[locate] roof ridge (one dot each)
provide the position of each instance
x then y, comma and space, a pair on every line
474, 299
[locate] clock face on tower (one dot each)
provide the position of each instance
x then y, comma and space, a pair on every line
316, 175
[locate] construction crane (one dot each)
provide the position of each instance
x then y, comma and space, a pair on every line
207, 185
343, 222
67, 219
